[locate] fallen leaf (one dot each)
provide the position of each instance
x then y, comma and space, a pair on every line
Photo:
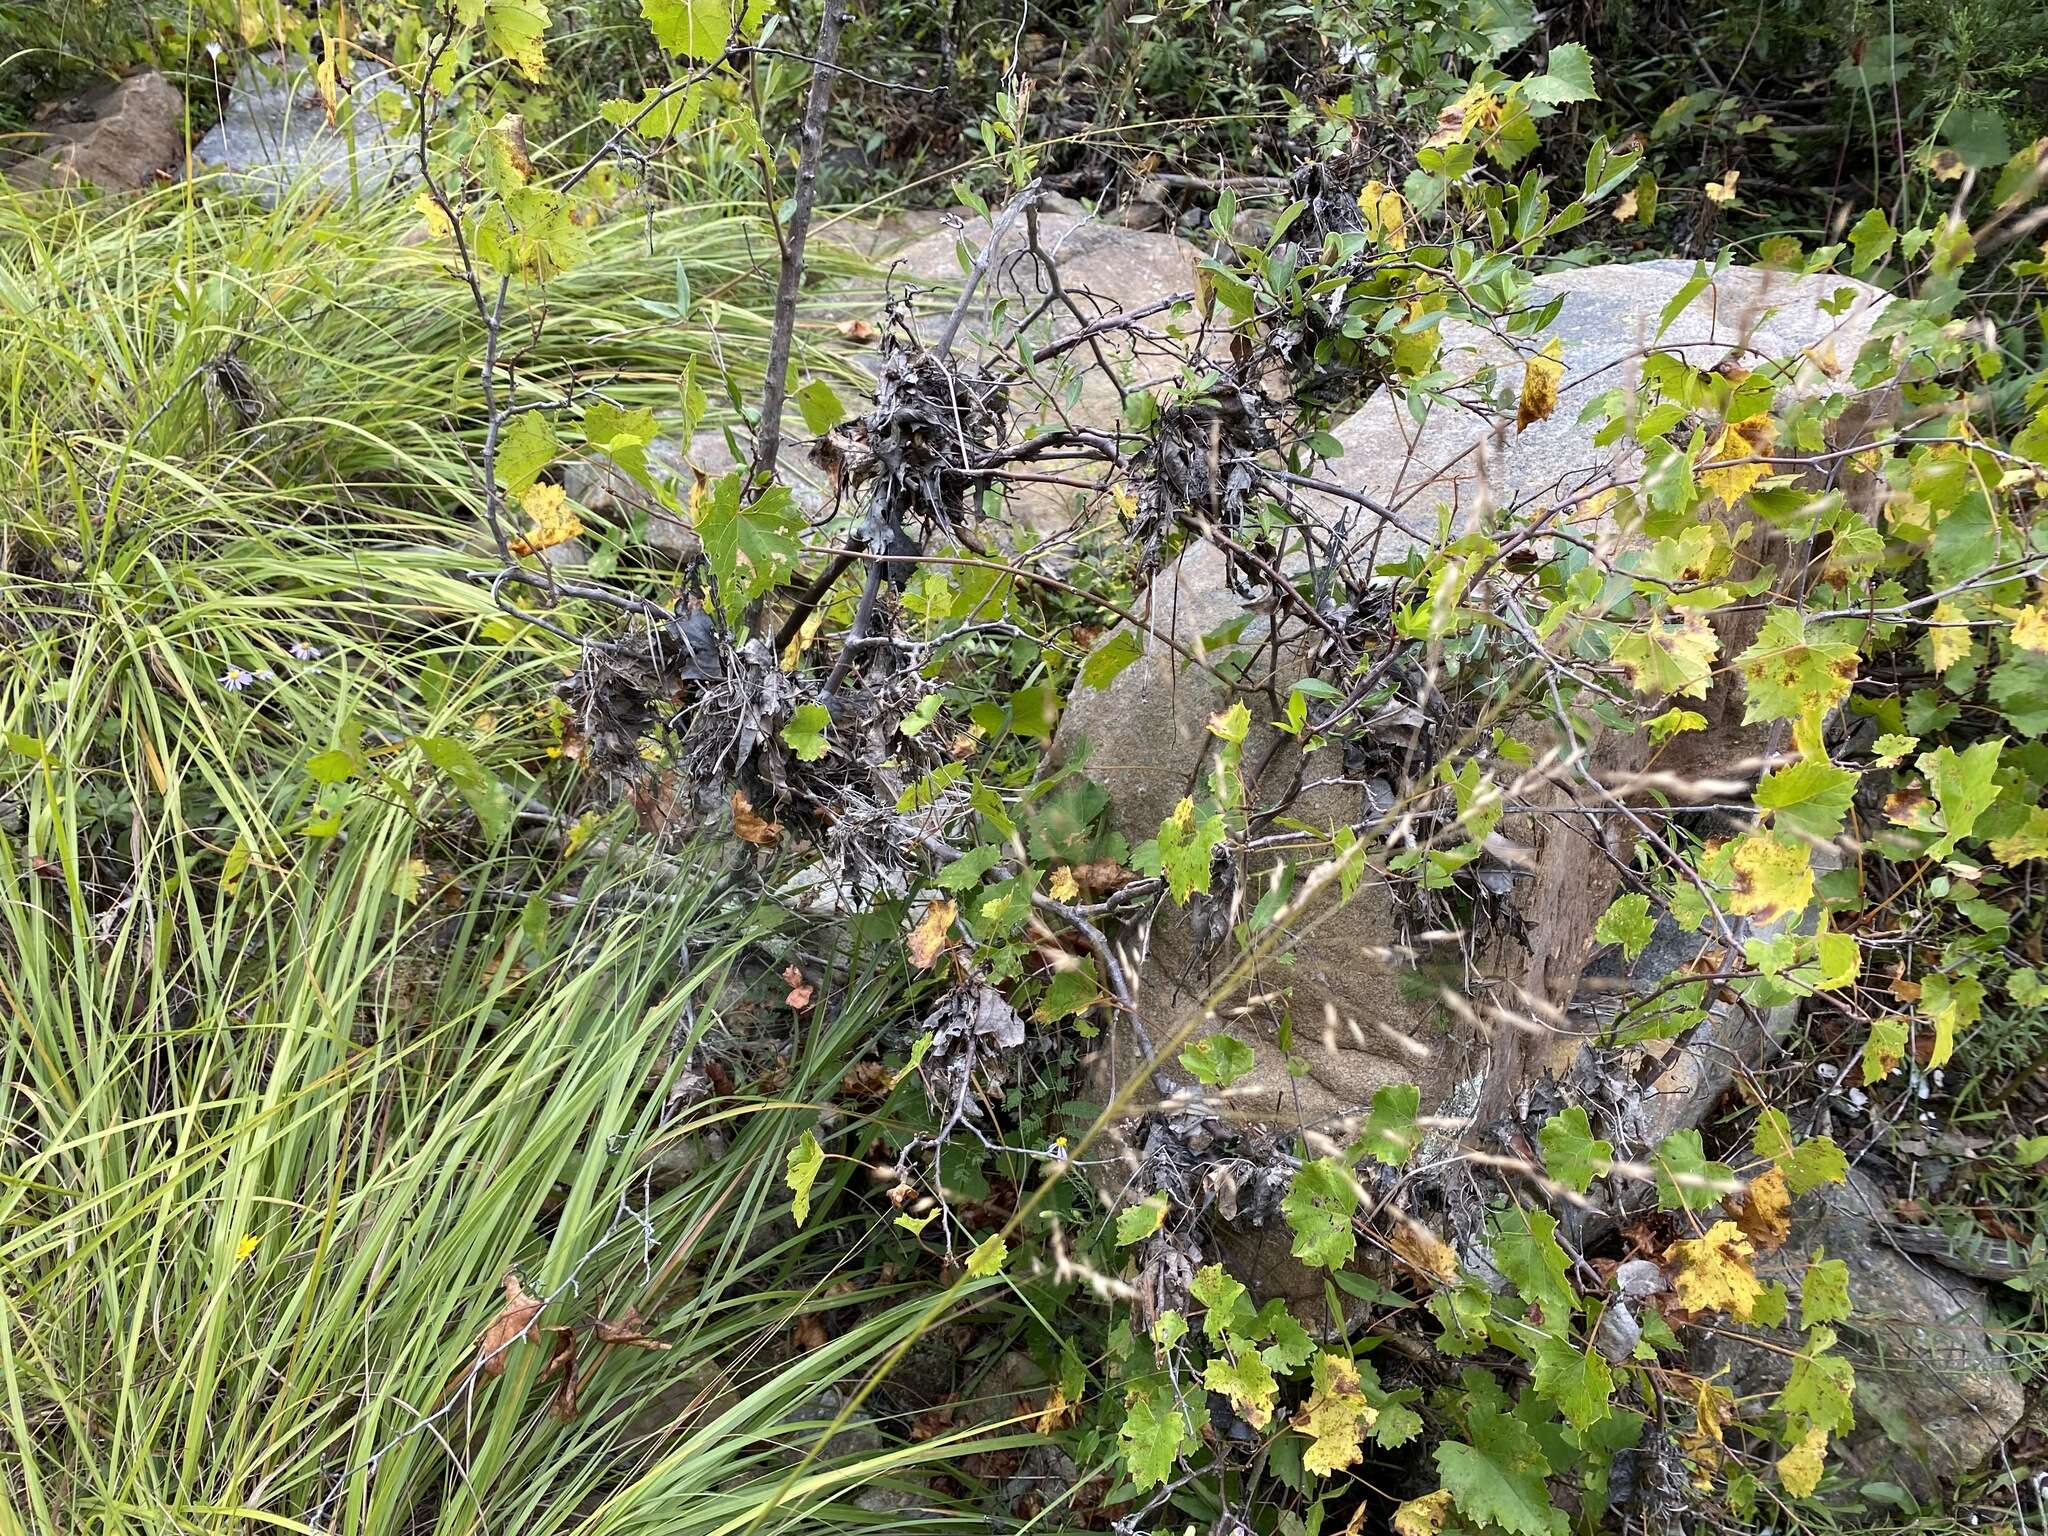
1714, 1273
928, 938
1102, 877
1722, 192
1624, 208
809, 1332
1764, 1211
508, 1327
800, 993
562, 1360
1424, 1252
750, 827
1057, 1413
629, 1328
1540, 376
862, 331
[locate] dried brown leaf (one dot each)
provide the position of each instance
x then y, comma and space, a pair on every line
511, 1324
751, 827
928, 938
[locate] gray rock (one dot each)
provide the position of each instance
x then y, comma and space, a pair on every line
119, 137
274, 136
1931, 1382
1103, 269
1349, 988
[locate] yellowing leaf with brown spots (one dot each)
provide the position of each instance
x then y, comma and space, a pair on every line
2029, 626
1714, 1273
1062, 886
1541, 375
553, 520
1799, 1468
1948, 636
928, 938
1749, 439
1769, 876
1336, 1416
1424, 1516
1765, 1210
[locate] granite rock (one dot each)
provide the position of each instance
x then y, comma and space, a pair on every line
274, 136
117, 137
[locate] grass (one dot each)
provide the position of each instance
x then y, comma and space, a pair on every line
319, 1023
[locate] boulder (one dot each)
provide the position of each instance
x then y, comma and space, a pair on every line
1351, 997
275, 136
118, 137
1103, 269
1931, 1380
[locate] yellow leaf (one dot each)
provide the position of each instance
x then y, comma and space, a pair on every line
1336, 1416
1713, 1272
1722, 192
1749, 439
1769, 877
554, 520
1063, 886
2029, 626
1540, 376
1424, 1516
1625, 206
2029, 842
1713, 1408
928, 938
1948, 636
1423, 1251
1057, 1413
1799, 1468
1386, 216
1765, 1211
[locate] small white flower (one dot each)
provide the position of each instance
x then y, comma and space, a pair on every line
235, 679
306, 650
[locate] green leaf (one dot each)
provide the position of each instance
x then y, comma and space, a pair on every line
1110, 658
1627, 922
1964, 785
820, 407
1498, 1479
1571, 1153
480, 791
531, 232
1390, 1135
1871, 240
1185, 845
1154, 1432
1318, 1207
700, 29
622, 436
1824, 1293
1526, 1251
1669, 658
658, 114
1218, 1060
1137, 1222
805, 733
1808, 796
966, 871
806, 1161
1228, 1315
517, 29
1954, 1004
1567, 77
1686, 1179
1820, 1386
750, 548
334, 766
1577, 1380
1789, 672
988, 1259
525, 448
1674, 722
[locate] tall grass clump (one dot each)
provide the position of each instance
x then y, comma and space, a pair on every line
327, 1029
